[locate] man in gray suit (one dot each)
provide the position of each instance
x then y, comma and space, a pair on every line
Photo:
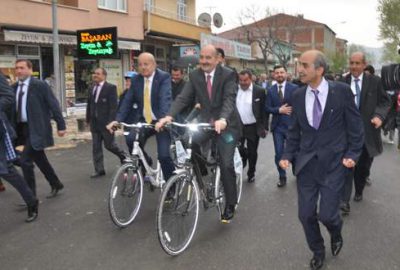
373, 104
214, 88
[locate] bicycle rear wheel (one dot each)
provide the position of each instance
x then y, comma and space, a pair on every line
125, 197
178, 213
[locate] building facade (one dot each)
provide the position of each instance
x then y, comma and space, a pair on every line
26, 32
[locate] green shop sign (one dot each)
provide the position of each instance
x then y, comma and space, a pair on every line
97, 43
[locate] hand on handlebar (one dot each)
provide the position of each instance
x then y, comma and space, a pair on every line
162, 122
112, 126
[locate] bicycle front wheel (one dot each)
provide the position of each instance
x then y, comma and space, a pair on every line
125, 195
178, 213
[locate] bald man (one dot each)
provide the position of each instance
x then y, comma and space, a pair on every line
214, 87
325, 139
148, 100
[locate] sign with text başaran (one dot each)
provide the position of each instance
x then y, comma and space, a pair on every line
97, 43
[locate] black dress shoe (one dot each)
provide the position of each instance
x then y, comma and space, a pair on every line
251, 179
54, 191
282, 182
345, 208
316, 263
336, 245
98, 174
358, 197
33, 212
228, 214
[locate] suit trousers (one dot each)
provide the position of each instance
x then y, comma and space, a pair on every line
348, 186
30, 156
362, 171
16, 180
163, 148
313, 183
98, 136
250, 139
279, 138
226, 151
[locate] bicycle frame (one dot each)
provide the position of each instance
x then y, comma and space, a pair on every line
155, 175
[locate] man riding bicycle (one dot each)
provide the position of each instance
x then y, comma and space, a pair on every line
214, 88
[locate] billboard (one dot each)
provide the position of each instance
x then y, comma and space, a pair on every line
97, 43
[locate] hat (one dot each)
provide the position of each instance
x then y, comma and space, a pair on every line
130, 74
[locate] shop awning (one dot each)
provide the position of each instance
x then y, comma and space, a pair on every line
47, 38
37, 37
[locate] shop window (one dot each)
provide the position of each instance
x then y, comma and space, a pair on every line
7, 50
160, 53
119, 5
28, 50
181, 9
150, 49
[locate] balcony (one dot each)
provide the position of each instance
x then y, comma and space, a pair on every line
172, 23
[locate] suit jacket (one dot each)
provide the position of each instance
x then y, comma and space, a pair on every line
103, 112
279, 121
223, 99
339, 136
41, 107
161, 97
374, 102
7, 100
258, 105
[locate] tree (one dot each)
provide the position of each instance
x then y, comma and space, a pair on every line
389, 27
272, 37
338, 62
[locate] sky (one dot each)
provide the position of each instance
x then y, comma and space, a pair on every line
354, 20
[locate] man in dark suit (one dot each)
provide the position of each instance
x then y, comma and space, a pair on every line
35, 107
101, 109
214, 88
279, 105
7, 152
250, 102
324, 140
150, 99
177, 84
373, 104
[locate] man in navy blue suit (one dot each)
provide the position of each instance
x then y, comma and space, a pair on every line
279, 105
149, 99
325, 139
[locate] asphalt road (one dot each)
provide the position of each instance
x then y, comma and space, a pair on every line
74, 230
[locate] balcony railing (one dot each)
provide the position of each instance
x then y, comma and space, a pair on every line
169, 14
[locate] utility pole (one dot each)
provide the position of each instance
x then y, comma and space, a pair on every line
56, 57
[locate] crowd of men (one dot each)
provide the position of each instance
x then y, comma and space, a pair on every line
329, 129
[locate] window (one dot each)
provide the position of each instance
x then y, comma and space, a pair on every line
119, 5
181, 9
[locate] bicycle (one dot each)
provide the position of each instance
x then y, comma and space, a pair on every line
180, 198
126, 190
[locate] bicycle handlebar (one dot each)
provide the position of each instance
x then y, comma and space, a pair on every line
193, 126
137, 125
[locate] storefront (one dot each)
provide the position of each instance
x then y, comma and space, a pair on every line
75, 73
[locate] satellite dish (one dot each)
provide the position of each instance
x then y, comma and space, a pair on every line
217, 20
204, 19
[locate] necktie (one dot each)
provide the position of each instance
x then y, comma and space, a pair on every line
95, 93
280, 93
209, 86
146, 102
19, 104
317, 110
358, 92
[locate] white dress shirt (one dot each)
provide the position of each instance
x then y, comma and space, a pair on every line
244, 104
99, 87
353, 86
211, 74
151, 79
323, 89
24, 115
